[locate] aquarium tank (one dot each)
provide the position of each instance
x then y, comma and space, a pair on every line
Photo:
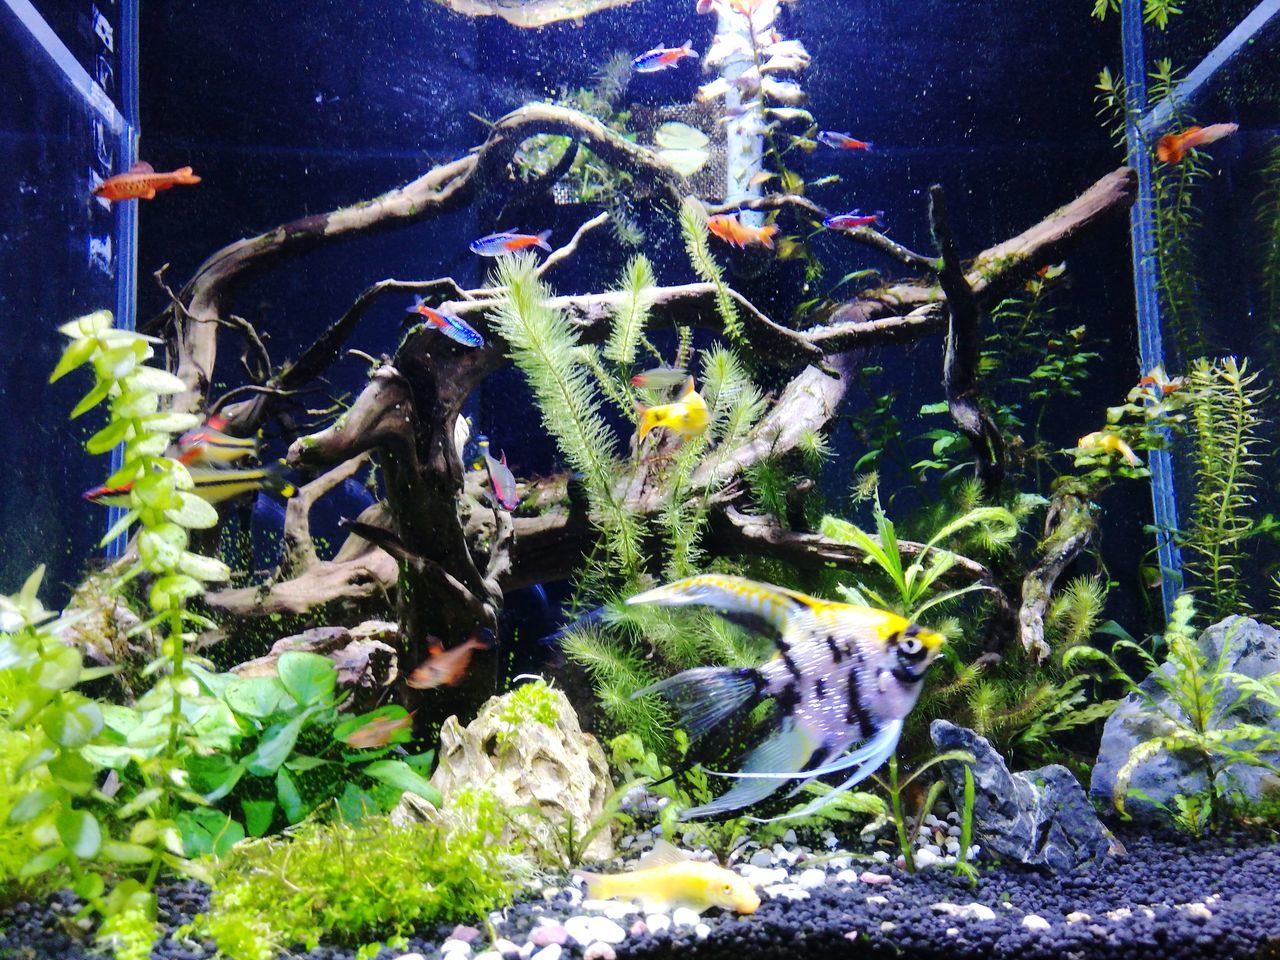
590, 479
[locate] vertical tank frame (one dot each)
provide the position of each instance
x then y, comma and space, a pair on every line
1142, 126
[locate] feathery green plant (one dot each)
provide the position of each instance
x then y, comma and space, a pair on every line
1153, 11
693, 224
1226, 424
546, 348
632, 313
1268, 204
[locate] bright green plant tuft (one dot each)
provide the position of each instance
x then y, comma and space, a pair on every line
632, 313
339, 883
693, 223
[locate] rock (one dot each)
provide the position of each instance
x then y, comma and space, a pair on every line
1038, 818
455, 948
1035, 923
658, 922
606, 930
548, 934
638, 929
702, 931
683, 917
364, 655
599, 951
762, 858
812, 878
1254, 651
925, 858
549, 953
506, 947
465, 934
968, 911
874, 878
558, 768
886, 926
1076, 916
789, 891
579, 928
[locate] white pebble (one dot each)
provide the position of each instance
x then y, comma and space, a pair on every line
953, 847
925, 858
830, 840
602, 928
684, 917
839, 863
954, 816
932, 821
876, 900
702, 931
579, 927
459, 947
953, 931
483, 955
888, 926
506, 947
788, 891
978, 911
526, 951
1198, 910
616, 909
847, 876
1078, 916
761, 877
789, 837
599, 951
550, 952
812, 878
932, 848
973, 853
658, 922
762, 858
880, 857
954, 831
1033, 922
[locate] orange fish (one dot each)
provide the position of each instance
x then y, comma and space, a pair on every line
1174, 146
142, 182
378, 733
444, 668
731, 230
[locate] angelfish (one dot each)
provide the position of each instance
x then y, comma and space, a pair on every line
501, 479
844, 677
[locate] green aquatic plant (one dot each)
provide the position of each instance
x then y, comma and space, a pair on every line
546, 348
697, 242
913, 587
533, 702
631, 316
1188, 693
277, 750
355, 884
1157, 12
1226, 423
906, 828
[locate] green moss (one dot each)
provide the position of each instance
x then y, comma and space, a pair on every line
357, 884
529, 703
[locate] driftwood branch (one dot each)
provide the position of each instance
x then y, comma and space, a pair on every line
1069, 527
299, 549
964, 352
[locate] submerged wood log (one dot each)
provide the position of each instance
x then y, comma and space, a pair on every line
1069, 526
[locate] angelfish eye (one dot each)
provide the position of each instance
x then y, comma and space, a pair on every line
910, 646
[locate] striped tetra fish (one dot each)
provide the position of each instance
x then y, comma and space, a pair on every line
844, 675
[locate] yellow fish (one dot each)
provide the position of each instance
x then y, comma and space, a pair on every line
666, 878
1111, 443
687, 416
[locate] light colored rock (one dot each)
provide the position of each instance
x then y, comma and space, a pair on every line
547, 934
483, 955
469, 934
787, 891
761, 877
551, 952
606, 930
638, 929
847, 876
579, 929
1035, 923
702, 931
812, 878
364, 655
456, 948
1077, 916
683, 917
967, 911
506, 947
876, 899
875, 879
762, 858
599, 951
925, 858
1198, 910
880, 856
614, 909
559, 769
953, 931
658, 922
888, 926
790, 838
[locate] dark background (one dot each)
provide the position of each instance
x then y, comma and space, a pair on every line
290, 109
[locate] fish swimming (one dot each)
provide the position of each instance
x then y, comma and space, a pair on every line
141, 182
501, 479
687, 416
208, 444
844, 675
853, 220
663, 58
841, 141
509, 241
733, 231
455, 329
211, 485
666, 878
1172, 147
444, 668
1110, 443
660, 378
379, 732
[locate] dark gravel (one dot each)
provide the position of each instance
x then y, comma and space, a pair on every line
1239, 879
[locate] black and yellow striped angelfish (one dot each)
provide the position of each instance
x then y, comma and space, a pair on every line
844, 675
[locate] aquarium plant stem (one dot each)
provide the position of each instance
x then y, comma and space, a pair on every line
744, 133
1146, 283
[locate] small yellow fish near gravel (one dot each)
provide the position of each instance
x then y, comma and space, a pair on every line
666, 878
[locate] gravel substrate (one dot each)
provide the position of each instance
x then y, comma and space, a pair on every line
1165, 898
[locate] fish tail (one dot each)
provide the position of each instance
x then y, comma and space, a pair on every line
543, 237
767, 234
788, 750
706, 697
597, 884
275, 477
1169, 149
688, 49
185, 175
649, 418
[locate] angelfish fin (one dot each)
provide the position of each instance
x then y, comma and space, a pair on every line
884, 747
663, 854
754, 605
787, 750
706, 697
